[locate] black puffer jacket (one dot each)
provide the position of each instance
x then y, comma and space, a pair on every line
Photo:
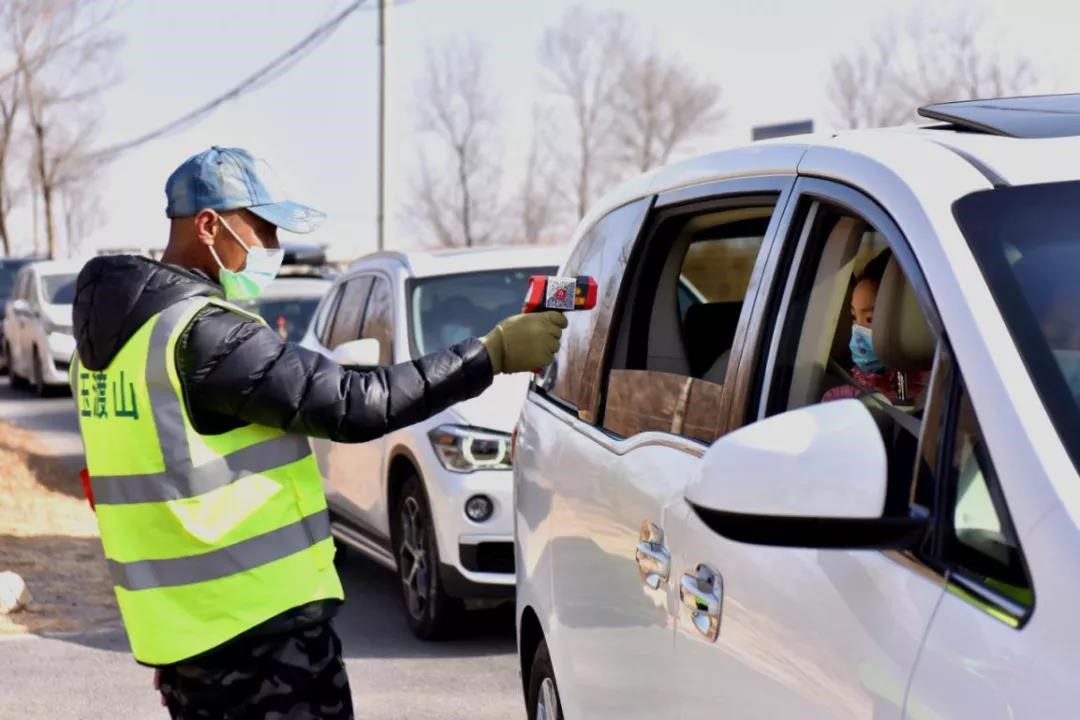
235, 371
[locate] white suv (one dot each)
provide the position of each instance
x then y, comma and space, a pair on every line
843, 481
38, 340
433, 501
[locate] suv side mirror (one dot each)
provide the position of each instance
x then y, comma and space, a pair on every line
815, 477
363, 353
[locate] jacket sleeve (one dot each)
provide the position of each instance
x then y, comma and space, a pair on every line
233, 367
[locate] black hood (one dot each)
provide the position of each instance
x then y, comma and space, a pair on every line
116, 294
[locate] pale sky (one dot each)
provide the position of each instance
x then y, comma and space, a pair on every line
316, 124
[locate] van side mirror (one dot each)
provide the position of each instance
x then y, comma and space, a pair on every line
21, 307
815, 477
363, 353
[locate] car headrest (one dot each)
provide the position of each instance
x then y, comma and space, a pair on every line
902, 338
708, 331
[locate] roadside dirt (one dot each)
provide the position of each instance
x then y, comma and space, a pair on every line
48, 535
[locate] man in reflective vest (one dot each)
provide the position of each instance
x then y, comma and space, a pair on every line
195, 416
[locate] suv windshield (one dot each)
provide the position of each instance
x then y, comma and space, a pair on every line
8, 270
1026, 240
58, 289
450, 308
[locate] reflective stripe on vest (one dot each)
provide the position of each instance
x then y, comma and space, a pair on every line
205, 536
235, 558
180, 478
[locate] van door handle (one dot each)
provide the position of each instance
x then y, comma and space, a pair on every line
653, 559
702, 594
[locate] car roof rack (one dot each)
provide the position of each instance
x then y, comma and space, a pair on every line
1032, 116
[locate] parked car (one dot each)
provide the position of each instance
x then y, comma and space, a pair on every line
433, 501
9, 268
288, 304
38, 339
699, 534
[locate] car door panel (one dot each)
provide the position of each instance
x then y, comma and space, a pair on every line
365, 490
615, 631
350, 466
803, 633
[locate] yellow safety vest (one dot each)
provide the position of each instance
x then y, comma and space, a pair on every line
205, 536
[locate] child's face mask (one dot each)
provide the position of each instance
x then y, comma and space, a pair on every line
862, 350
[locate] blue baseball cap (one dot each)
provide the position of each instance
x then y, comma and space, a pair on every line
228, 179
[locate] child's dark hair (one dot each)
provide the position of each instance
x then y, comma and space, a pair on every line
875, 269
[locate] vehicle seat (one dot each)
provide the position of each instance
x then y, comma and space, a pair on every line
709, 333
903, 341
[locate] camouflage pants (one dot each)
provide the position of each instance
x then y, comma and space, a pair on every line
295, 676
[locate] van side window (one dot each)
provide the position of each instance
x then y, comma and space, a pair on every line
678, 323
326, 314
379, 321
350, 312
603, 253
980, 544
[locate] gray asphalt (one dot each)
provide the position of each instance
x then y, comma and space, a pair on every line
393, 676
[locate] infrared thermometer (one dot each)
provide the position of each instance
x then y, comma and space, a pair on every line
565, 294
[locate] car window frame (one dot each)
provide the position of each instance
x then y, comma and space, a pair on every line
366, 293
771, 314
386, 346
960, 581
735, 193
603, 310
795, 240
325, 314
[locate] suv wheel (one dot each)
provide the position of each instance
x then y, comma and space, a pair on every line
18, 382
543, 701
428, 610
37, 376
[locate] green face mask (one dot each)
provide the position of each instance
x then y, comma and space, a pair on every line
260, 269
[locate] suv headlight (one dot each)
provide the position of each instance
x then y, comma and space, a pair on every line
466, 449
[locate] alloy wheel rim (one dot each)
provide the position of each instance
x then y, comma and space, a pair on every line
413, 558
547, 701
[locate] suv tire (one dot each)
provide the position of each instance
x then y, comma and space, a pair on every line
37, 376
542, 701
18, 382
428, 609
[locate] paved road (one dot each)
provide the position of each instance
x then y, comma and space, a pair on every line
393, 675
53, 418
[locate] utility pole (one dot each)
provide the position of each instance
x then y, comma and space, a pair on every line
380, 216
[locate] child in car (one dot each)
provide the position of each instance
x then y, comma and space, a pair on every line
871, 376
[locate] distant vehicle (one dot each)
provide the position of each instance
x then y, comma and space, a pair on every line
9, 268
38, 340
716, 517
433, 501
288, 303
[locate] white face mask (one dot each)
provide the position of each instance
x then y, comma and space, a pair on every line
260, 269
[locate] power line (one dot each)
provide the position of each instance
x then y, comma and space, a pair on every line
263, 76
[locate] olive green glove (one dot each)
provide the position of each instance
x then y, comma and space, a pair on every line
524, 342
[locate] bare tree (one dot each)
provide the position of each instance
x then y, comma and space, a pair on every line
63, 53
9, 110
457, 115
925, 59
584, 56
661, 104
538, 204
